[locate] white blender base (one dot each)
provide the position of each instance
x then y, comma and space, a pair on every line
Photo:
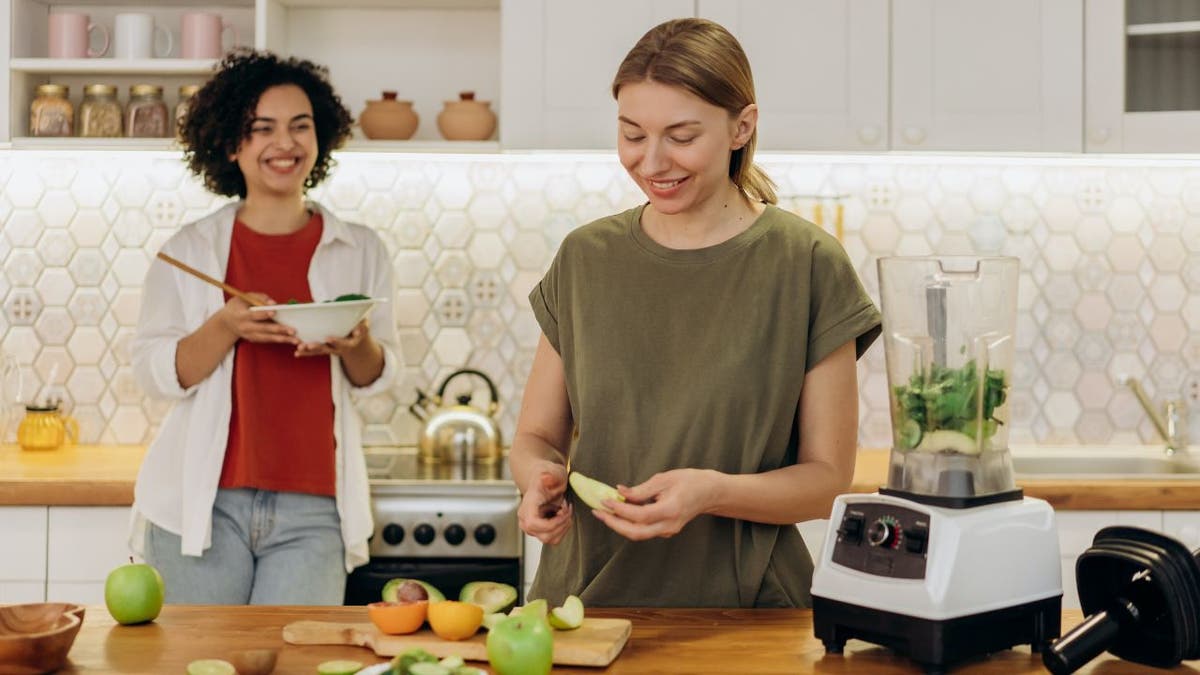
939, 585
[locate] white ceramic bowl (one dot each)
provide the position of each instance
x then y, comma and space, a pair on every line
317, 321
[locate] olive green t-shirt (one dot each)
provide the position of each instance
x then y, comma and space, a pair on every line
691, 358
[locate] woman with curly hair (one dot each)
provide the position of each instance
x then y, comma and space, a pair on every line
255, 488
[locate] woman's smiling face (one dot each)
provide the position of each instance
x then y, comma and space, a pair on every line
281, 149
674, 145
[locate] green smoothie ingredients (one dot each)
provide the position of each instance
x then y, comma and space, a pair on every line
947, 399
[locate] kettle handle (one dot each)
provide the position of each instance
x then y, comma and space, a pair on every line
470, 371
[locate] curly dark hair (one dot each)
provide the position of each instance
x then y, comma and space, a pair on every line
219, 115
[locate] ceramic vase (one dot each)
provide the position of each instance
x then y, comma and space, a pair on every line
389, 119
467, 119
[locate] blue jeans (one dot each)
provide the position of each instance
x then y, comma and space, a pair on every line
268, 548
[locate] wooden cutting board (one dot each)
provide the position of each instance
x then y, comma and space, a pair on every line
596, 643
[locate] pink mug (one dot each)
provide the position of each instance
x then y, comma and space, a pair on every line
201, 35
70, 33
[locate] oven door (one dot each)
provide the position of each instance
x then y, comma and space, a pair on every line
365, 584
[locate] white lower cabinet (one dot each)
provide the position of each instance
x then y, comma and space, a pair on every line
23, 564
813, 532
529, 564
84, 543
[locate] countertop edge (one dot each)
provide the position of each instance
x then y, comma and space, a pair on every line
68, 478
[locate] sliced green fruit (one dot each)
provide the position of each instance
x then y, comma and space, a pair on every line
427, 669
403, 663
451, 662
467, 670
390, 589
490, 595
340, 667
569, 616
490, 620
910, 434
539, 608
210, 667
944, 440
593, 492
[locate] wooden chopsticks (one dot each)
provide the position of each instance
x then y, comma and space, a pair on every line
215, 282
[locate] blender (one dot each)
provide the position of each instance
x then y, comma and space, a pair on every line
950, 561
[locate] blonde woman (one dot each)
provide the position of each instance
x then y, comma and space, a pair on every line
698, 351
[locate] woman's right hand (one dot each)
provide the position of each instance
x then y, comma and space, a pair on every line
545, 513
237, 318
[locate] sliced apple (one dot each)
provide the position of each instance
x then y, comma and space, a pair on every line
569, 616
492, 619
593, 492
538, 608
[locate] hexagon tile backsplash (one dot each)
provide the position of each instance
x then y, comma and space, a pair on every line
1110, 252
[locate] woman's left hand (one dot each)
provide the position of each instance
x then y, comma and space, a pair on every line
661, 506
336, 346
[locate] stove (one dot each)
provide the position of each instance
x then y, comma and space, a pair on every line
447, 524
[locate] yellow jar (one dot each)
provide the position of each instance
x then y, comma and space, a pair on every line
46, 428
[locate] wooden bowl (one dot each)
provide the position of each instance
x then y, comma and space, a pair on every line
35, 638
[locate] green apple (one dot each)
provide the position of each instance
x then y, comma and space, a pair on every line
569, 616
593, 492
521, 645
134, 593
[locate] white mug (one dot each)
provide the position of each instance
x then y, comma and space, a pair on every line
133, 36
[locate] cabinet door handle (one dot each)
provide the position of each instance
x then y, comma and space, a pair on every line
1099, 134
868, 134
913, 135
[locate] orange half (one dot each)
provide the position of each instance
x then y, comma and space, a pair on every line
398, 618
453, 620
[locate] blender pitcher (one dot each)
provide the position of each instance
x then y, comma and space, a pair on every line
948, 325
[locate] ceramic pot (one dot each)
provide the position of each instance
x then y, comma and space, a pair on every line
467, 119
389, 119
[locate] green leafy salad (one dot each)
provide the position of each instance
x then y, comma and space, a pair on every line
341, 298
940, 411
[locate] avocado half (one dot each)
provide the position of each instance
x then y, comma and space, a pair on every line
390, 588
490, 595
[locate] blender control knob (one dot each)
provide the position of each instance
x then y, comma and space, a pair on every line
881, 533
393, 534
485, 534
424, 534
455, 534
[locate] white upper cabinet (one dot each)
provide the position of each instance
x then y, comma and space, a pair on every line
558, 59
1142, 76
987, 75
820, 69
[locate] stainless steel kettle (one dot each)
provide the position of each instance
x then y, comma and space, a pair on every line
457, 433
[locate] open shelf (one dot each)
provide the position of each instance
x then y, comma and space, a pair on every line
106, 66
1167, 28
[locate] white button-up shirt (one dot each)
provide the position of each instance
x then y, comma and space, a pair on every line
178, 480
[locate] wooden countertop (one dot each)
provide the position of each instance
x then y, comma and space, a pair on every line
663, 641
103, 476
80, 475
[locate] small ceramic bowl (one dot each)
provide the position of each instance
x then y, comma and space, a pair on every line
35, 637
317, 321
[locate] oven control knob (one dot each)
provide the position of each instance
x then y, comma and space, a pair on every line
455, 534
424, 534
485, 534
393, 534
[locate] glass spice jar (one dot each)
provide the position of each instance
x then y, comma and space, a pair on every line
51, 113
186, 92
146, 114
100, 114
